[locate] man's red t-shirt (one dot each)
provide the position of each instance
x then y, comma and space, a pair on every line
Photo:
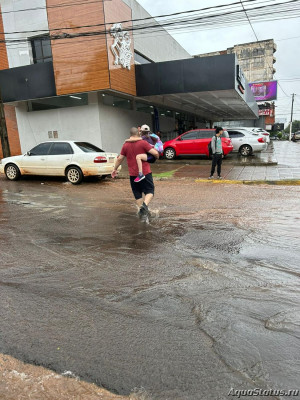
130, 150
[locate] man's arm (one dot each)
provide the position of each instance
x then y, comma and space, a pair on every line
154, 153
119, 161
213, 145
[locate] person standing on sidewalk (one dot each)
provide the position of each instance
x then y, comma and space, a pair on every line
131, 148
217, 153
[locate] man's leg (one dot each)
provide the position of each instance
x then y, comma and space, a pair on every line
148, 198
148, 189
139, 202
137, 192
219, 164
213, 164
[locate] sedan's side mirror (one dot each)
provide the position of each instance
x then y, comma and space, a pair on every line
180, 138
28, 153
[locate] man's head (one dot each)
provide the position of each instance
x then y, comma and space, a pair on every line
134, 132
145, 130
219, 131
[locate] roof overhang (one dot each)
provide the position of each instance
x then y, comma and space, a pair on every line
208, 87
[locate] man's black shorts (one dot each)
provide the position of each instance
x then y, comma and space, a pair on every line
145, 186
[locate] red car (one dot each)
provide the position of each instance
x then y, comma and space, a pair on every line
195, 142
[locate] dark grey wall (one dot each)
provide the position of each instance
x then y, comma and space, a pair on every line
29, 82
190, 75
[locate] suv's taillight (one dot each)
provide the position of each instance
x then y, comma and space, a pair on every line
266, 134
100, 159
261, 140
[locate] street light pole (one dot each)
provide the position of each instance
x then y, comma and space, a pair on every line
291, 123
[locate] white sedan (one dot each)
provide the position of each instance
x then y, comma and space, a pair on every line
60, 158
253, 129
246, 142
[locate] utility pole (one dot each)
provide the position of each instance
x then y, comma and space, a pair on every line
291, 124
3, 131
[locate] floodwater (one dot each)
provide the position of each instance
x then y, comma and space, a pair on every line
203, 299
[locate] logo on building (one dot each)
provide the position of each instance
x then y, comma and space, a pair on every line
121, 48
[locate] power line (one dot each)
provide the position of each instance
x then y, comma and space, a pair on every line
131, 20
183, 21
271, 68
249, 20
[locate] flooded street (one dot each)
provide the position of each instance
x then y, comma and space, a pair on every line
202, 299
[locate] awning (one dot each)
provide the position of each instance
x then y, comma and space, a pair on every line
208, 87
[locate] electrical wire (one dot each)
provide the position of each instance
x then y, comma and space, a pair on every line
271, 67
183, 21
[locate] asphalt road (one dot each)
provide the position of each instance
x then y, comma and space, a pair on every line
203, 299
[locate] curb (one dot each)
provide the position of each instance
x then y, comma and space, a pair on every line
291, 182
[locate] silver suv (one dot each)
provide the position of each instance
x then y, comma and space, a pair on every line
246, 142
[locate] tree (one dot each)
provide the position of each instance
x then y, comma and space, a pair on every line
295, 127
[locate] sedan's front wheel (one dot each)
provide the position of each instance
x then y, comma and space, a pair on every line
74, 175
170, 153
12, 172
246, 150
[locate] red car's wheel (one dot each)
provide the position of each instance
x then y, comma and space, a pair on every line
170, 153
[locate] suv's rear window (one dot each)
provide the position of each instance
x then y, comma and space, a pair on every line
88, 147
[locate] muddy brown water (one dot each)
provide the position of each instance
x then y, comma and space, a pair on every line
202, 299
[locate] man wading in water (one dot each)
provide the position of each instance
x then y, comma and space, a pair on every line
131, 148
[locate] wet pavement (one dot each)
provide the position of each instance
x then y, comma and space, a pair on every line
202, 299
281, 161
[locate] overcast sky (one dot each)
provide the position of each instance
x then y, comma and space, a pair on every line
287, 55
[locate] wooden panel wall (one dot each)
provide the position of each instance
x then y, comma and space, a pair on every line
10, 111
80, 64
121, 79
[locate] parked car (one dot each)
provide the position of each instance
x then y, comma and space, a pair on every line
253, 129
296, 136
194, 142
246, 142
60, 158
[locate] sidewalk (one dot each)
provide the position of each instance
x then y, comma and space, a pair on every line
281, 162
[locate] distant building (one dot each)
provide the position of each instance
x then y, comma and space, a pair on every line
255, 58
257, 62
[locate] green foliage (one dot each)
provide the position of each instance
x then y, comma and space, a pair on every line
295, 127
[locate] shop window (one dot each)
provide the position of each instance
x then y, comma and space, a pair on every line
165, 112
143, 107
141, 59
118, 102
41, 49
58, 102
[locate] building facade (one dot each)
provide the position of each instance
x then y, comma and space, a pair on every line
79, 72
255, 58
257, 62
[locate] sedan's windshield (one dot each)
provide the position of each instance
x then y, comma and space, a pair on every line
88, 147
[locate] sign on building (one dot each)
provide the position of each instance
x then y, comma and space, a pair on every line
264, 91
266, 111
